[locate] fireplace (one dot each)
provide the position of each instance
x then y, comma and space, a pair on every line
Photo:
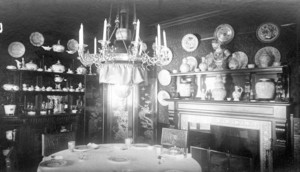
237, 117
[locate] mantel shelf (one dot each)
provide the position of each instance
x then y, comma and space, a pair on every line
196, 100
274, 70
50, 73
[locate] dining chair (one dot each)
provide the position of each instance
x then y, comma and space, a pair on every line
216, 161
52, 143
174, 137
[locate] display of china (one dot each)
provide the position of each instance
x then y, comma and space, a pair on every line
10, 87
237, 93
203, 65
219, 92
9, 109
184, 67
31, 66
233, 64
81, 70
58, 48
264, 60
58, 67
265, 89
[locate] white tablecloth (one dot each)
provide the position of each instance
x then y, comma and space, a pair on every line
138, 159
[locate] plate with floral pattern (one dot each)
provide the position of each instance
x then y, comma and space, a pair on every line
189, 42
224, 33
267, 32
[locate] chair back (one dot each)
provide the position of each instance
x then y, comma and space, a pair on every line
174, 137
52, 143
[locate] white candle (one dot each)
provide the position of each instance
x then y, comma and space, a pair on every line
137, 33
165, 39
95, 46
156, 43
158, 35
104, 30
81, 36
141, 48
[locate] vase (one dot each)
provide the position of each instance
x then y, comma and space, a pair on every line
184, 67
219, 92
203, 65
265, 89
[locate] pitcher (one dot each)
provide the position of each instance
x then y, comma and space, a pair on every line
237, 93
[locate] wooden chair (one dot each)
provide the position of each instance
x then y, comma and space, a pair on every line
215, 161
174, 137
52, 143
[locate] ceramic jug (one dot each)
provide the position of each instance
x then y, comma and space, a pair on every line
237, 93
184, 67
203, 65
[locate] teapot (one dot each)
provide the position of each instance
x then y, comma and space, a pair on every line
31, 66
58, 78
237, 93
81, 70
58, 67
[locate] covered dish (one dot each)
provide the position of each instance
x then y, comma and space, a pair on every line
58, 67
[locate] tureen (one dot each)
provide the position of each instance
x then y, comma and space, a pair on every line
58, 67
31, 66
58, 48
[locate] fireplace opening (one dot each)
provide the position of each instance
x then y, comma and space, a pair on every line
236, 141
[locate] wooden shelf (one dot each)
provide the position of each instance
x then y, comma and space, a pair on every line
50, 73
52, 92
237, 71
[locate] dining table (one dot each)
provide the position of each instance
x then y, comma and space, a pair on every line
118, 158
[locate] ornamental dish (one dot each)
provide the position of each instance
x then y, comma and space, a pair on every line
16, 49
73, 45
267, 32
36, 39
166, 56
164, 77
271, 51
189, 42
161, 96
242, 58
224, 33
192, 62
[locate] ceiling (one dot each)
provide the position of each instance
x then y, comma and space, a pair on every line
61, 19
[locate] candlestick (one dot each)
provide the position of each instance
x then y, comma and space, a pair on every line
158, 35
156, 44
81, 36
104, 30
137, 33
95, 46
165, 39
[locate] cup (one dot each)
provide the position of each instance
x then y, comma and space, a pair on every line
71, 145
128, 142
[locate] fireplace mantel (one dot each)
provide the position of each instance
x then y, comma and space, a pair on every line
261, 116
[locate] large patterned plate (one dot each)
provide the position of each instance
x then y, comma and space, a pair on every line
73, 45
189, 42
16, 49
224, 33
164, 77
242, 58
36, 39
271, 51
166, 56
268, 32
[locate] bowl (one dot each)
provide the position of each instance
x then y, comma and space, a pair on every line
251, 66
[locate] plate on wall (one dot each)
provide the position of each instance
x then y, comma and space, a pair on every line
242, 58
267, 32
164, 77
273, 53
36, 39
16, 49
224, 33
192, 62
166, 56
161, 96
189, 42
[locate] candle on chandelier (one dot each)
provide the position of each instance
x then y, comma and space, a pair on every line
165, 39
158, 35
156, 44
104, 30
95, 46
81, 36
137, 33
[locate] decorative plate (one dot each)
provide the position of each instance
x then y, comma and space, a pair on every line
73, 45
118, 159
54, 163
242, 58
36, 39
189, 42
164, 77
161, 96
224, 33
81, 148
16, 49
192, 62
273, 53
166, 56
267, 32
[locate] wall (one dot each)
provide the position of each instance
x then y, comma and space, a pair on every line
245, 21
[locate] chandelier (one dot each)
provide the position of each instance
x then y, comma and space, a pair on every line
135, 50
